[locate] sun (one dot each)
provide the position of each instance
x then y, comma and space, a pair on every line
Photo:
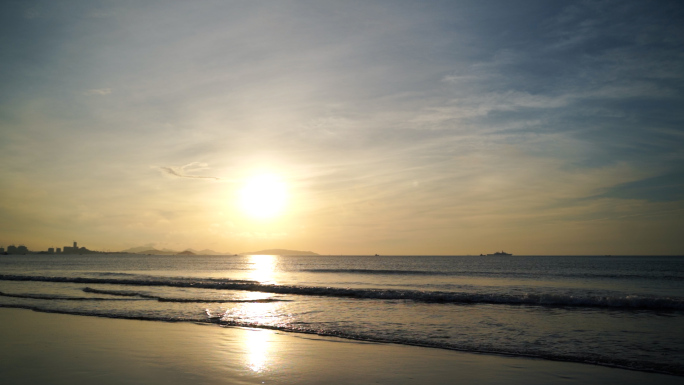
263, 196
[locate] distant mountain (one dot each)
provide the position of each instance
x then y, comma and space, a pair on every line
279, 252
208, 252
135, 250
157, 252
149, 249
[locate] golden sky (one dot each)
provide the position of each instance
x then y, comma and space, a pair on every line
442, 127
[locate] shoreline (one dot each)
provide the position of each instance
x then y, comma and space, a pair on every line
62, 348
319, 336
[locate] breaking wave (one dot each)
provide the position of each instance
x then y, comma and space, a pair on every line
125, 293
616, 301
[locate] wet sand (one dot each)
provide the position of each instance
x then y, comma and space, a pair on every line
42, 348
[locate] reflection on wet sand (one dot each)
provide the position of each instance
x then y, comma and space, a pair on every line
258, 348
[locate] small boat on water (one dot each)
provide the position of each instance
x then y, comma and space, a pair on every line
499, 253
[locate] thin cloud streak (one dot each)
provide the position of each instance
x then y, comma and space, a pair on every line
187, 170
98, 91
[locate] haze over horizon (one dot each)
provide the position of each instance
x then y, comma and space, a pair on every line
442, 127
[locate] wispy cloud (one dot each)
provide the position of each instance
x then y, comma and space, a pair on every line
187, 171
98, 91
35, 12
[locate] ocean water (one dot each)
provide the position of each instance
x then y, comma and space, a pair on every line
614, 311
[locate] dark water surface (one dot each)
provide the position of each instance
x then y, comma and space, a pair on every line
614, 311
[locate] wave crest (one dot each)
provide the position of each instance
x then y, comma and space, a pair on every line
617, 301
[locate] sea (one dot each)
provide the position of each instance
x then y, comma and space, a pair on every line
616, 311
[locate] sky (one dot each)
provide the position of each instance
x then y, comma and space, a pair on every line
344, 127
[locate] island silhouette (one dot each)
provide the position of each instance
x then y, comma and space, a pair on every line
149, 250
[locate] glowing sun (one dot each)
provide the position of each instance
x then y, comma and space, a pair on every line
263, 196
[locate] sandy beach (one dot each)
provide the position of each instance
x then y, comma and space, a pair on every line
43, 348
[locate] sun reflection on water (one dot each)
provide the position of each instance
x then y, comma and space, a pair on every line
263, 268
259, 355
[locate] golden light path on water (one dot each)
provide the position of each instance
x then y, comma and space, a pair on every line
257, 343
263, 268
